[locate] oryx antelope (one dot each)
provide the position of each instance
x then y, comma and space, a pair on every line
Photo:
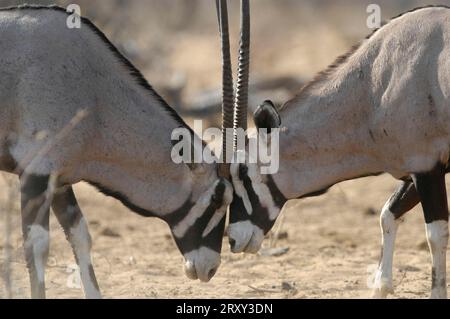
48, 73
383, 107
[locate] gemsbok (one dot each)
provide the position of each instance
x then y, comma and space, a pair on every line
382, 107
121, 143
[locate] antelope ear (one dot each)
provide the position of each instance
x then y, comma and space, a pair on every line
266, 116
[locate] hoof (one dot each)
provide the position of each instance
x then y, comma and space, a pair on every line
382, 292
439, 293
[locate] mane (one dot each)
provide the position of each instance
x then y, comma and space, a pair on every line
342, 59
133, 71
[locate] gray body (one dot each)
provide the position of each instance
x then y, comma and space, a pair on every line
121, 143
49, 74
384, 107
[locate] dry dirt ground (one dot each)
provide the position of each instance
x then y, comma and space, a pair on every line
333, 244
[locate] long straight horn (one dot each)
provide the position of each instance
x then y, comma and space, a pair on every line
240, 116
227, 90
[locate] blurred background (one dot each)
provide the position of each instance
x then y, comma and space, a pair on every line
175, 43
325, 247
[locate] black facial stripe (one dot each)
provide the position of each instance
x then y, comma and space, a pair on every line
193, 238
260, 214
217, 197
214, 239
243, 170
177, 216
238, 209
278, 197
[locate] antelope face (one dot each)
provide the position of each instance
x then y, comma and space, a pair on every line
199, 233
256, 204
257, 201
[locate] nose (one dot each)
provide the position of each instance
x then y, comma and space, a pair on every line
190, 271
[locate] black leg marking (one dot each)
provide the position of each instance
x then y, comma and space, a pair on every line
404, 199
70, 217
433, 196
35, 207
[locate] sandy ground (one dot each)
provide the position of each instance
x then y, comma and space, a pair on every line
333, 244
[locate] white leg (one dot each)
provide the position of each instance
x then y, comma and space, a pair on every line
71, 219
35, 208
383, 278
437, 236
81, 241
433, 196
36, 248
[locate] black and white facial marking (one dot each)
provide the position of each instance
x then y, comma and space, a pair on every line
256, 204
198, 230
257, 201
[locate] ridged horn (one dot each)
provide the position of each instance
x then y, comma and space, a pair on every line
227, 89
241, 103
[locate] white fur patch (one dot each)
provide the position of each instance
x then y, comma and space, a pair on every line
383, 278
437, 235
81, 241
200, 262
247, 237
195, 213
38, 241
239, 188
